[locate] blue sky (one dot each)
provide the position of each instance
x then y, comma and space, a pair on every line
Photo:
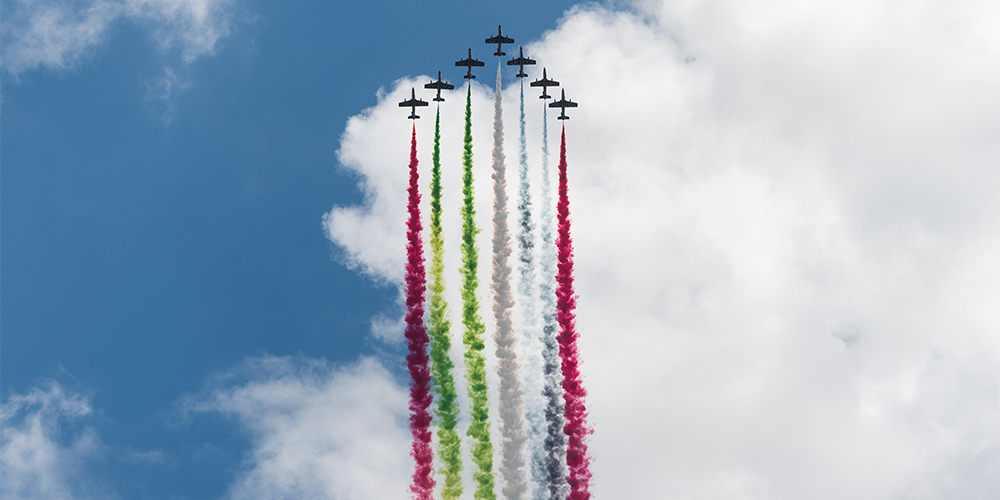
149, 242
785, 218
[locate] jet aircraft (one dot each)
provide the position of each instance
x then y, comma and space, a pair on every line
439, 85
499, 40
413, 102
563, 103
521, 61
470, 62
544, 83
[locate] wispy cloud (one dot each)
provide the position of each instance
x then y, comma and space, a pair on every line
317, 430
54, 35
161, 94
36, 460
193, 26
60, 34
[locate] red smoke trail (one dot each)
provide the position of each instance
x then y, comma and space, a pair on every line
576, 429
417, 361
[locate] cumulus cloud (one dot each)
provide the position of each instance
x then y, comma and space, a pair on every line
36, 460
317, 430
60, 34
371, 236
785, 217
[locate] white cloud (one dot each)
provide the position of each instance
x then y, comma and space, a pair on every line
36, 460
194, 26
59, 34
386, 327
785, 218
318, 431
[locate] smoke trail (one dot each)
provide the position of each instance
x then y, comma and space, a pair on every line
448, 447
511, 425
527, 289
577, 459
475, 362
416, 336
555, 440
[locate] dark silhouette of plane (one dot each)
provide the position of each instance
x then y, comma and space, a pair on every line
470, 62
413, 102
520, 61
544, 83
499, 40
439, 85
563, 103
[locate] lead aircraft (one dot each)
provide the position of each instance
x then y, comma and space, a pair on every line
499, 40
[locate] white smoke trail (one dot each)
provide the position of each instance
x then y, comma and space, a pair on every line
509, 407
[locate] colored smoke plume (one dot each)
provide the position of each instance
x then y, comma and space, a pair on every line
509, 407
417, 340
527, 289
473, 336
555, 439
449, 445
577, 458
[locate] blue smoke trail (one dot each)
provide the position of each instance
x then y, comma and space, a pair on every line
555, 439
527, 292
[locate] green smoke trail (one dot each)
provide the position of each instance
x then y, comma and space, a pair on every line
449, 445
473, 337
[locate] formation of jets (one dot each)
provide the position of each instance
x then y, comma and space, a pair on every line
520, 61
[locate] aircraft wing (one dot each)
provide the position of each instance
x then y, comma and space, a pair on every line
412, 102
544, 83
519, 61
499, 39
470, 62
439, 85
